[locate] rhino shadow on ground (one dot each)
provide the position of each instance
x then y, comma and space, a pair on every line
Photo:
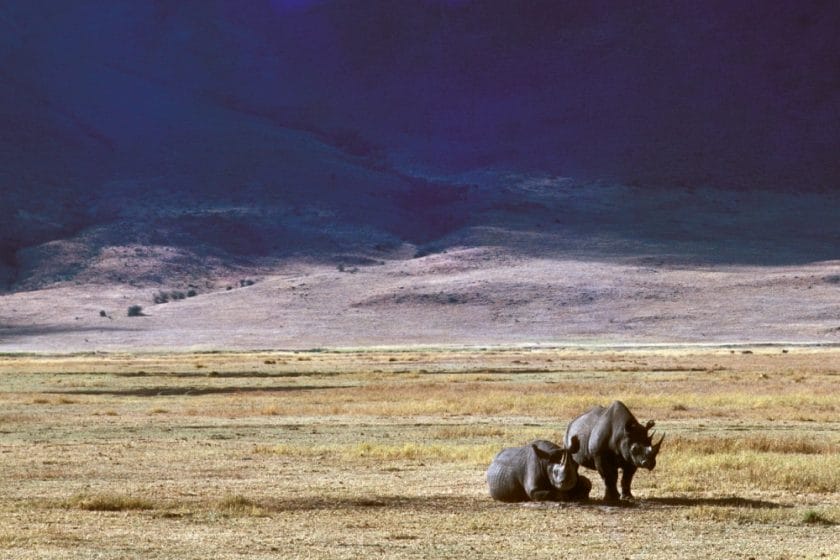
460, 503
675, 502
394, 502
730, 501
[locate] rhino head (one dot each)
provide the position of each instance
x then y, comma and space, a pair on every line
562, 469
642, 449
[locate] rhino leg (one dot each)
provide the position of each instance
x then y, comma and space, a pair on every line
609, 473
626, 480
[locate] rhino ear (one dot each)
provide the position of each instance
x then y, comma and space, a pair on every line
574, 445
540, 453
650, 424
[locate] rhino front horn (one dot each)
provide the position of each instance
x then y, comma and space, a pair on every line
658, 444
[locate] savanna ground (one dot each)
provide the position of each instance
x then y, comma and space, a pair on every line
382, 453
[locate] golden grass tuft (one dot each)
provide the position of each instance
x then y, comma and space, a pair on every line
764, 443
468, 431
750, 469
236, 505
108, 502
472, 454
813, 517
478, 454
10, 540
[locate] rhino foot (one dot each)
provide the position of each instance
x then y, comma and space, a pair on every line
611, 497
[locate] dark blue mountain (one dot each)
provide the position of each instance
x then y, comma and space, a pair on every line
128, 115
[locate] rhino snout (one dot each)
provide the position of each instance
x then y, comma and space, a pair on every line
643, 456
563, 476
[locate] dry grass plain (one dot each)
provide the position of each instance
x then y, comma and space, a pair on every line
382, 452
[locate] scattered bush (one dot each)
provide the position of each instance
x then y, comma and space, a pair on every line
352, 270
192, 293
812, 517
103, 314
246, 282
135, 311
166, 297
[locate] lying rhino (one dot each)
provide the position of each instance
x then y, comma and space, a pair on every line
538, 471
610, 439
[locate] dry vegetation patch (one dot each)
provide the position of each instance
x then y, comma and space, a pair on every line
108, 502
345, 454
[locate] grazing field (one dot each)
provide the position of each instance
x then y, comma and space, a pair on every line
382, 453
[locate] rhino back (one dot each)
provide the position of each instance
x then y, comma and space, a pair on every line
582, 427
609, 433
509, 473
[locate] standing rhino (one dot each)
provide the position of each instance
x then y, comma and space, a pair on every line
538, 471
610, 439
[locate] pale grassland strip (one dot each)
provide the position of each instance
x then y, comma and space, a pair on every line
357, 454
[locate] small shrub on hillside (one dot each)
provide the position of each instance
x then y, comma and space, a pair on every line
812, 517
352, 270
166, 297
135, 311
192, 293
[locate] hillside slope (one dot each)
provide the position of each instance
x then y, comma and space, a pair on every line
530, 267
430, 171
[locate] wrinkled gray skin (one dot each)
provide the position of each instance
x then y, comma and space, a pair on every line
538, 471
610, 439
